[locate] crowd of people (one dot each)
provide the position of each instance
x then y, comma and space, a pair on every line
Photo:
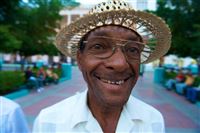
40, 78
184, 84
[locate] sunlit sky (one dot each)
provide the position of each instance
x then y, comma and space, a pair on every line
25, 1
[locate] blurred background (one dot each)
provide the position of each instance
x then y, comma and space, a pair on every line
27, 53
28, 27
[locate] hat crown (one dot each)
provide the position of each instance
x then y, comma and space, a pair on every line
152, 29
110, 5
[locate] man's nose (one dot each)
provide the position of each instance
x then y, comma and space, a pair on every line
117, 61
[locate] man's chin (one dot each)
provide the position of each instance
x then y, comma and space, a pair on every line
115, 102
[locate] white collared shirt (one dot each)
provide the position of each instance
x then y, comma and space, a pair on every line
12, 119
73, 115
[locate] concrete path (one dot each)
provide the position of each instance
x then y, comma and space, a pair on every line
180, 115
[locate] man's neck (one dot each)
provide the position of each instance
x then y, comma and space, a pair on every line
107, 116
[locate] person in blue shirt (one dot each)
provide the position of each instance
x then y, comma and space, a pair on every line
12, 119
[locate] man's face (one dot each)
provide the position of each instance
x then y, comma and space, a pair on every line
110, 80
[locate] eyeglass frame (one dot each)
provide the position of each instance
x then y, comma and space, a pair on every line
116, 45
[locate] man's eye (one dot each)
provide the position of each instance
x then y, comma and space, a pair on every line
97, 47
133, 50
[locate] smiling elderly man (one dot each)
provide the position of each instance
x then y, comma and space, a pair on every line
109, 44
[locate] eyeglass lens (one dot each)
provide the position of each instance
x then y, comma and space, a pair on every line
104, 47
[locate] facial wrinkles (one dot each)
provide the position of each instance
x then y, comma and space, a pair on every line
107, 76
118, 37
112, 78
121, 31
112, 75
107, 85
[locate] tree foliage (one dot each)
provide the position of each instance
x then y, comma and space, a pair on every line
184, 21
29, 28
41, 20
9, 42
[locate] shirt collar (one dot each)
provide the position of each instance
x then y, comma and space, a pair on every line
81, 110
135, 109
132, 111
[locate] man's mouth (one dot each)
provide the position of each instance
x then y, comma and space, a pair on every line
114, 82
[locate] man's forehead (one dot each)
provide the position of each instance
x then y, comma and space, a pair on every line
113, 32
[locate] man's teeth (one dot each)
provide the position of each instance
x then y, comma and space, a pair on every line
113, 82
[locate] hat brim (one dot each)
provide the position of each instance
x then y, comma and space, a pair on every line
153, 30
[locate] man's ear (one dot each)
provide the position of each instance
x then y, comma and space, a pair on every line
78, 57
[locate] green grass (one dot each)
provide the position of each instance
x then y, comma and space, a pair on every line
10, 81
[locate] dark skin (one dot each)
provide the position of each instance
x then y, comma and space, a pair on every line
106, 100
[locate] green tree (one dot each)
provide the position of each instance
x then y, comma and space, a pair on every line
9, 43
41, 17
184, 21
30, 27
9, 11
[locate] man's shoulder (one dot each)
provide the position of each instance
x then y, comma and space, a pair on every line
61, 110
8, 106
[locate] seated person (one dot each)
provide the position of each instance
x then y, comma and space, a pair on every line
193, 94
51, 76
180, 77
182, 87
12, 119
28, 73
31, 80
41, 75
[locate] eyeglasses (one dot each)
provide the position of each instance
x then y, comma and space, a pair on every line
105, 47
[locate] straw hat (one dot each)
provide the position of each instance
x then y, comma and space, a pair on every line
154, 31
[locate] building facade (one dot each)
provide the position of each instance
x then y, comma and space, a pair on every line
71, 15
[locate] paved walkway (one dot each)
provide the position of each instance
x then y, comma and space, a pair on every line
180, 115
